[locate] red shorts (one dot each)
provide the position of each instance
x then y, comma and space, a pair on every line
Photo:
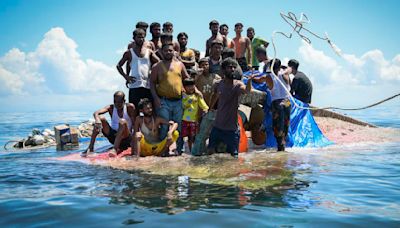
189, 129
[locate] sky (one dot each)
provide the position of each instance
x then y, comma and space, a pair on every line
61, 55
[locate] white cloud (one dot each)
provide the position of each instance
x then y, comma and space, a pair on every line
57, 67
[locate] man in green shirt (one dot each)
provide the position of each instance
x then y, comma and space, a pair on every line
255, 43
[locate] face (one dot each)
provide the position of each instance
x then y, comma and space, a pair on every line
260, 57
228, 71
216, 49
189, 89
182, 41
168, 52
205, 66
166, 40
238, 29
147, 110
119, 102
156, 31
224, 31
250, 34
168, 29
214, 29
139, 39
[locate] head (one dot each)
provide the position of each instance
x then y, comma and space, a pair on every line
189, 85
168, 27
146, 107
168, 51
203, 64
142, 25
119, 100
138, 36
294, 64
155, 30
196, 54
250, 33
228, 67
223, 29
216, 48
261, 54
166, 38
182, 39
277, 66
228, 52
213, 25
238, 28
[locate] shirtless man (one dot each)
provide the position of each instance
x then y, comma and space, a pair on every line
139, 60
166, 38
215, 35
119, 133
224, 30
187, 55
155, 30
147, 141
242, 48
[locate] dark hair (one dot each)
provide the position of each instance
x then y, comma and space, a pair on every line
138, 31
238, 24
167, 24
228, 61
261, 50
197, 52
119, 94
277, 64
167, 44
164, 36
189, 81
142, 24
204, 59
250, 29
228, 52
213, 22
293, 64
214, 42
223, 25
153, 25
143, 102
182, 34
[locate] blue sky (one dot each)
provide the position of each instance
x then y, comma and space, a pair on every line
93, 34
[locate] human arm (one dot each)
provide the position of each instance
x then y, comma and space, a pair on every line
126, 58
172, 126
153, 57
131, 112
248, 49
153, 82
207, 49
96, 116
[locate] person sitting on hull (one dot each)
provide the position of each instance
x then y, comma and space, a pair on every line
120, 131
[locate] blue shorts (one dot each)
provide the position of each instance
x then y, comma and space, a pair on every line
224, 140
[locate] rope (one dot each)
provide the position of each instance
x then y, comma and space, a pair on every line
15, 141
297, 28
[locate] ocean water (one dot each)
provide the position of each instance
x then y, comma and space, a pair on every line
356, 185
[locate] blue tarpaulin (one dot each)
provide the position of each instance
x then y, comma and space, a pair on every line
303, 130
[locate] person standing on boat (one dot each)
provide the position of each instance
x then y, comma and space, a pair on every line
225, 133
301, 87
242, 48
166, 88
255, 43
155, 30
215, 36
139, 59
120, 131
215, 57
187, 55
224, 30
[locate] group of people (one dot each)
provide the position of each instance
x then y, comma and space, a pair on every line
173, 93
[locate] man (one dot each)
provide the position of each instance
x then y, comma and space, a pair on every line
225, 134
262, 59
166, 88
144, 26
168, 27
146, 140
155, 30
230, 52
301, 87
215, 36
139, 60
223, 29
166, 38
186, 54
215, 58
255, 43
242, 48
119, 133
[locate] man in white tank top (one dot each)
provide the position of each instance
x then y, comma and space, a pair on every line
139, 59
120, 131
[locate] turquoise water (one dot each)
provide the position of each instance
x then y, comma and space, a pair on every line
339, 186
